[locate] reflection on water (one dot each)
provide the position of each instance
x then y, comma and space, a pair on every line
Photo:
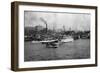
79, 49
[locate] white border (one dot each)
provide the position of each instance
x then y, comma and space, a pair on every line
23, 64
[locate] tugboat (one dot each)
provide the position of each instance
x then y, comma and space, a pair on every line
51, 43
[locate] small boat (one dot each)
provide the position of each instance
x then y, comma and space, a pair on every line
67, 39
50, 43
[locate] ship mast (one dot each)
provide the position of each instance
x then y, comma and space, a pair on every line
64, 28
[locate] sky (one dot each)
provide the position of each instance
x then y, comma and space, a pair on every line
67, 21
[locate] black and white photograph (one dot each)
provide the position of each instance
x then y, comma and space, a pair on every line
53, 36
56, 36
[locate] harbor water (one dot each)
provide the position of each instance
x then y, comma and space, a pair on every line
78, 49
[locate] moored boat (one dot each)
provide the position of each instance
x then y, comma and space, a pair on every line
67, 39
